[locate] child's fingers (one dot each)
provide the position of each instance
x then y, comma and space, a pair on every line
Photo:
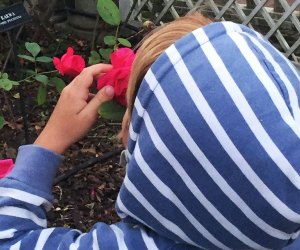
88, 75
104, 95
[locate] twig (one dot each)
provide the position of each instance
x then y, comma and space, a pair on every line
6, 100
87, 164
11, 50
94, 33
12, 41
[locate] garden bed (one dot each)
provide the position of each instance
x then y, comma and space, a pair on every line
88, 196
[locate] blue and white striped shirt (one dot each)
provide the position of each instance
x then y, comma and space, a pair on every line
214, 156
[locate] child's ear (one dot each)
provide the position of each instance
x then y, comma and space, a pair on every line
123, 134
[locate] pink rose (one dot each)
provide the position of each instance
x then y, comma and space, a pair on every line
69, 64
118, 77
5, 167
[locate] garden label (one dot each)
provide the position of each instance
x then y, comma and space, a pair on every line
13, 16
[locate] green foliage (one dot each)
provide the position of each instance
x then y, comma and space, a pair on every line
42, 94
109, 40
58, 83
103, 56
28, 58
33, 48
112, 111
41, 77
7, 84
44, 59
124, 42
94, 58
109, 12
105, 53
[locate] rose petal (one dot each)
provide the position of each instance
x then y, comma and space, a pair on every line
123, 57
58, 65
106, 79
118, 79
69, 64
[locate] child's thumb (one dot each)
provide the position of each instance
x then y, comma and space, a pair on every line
103, 95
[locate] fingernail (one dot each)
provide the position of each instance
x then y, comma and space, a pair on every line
109, 90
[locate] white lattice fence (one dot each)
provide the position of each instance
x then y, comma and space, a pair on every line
277, 20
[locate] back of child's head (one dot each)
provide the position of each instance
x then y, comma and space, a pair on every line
214, 139
156, 43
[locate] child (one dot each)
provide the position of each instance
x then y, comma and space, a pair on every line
213, 148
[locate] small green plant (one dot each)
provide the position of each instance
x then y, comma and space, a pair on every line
6, 85
110, 14
45, 79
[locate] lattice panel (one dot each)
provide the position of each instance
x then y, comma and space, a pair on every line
277, 20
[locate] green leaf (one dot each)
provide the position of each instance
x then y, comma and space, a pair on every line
58, 83
44, 59
42, 78
94, 58
105, 53
4, 76
28, 58
41, 95
109, 12
29, 72
2, 122
109, 40
6, 84
33, 48
112, 111
124, 42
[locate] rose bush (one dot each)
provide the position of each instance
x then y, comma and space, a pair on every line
118, 77
5, 167
69, 64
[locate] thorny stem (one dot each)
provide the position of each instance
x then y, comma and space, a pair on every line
94, 33
116, 37
41, 73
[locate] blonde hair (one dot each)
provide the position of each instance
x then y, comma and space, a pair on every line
155, 44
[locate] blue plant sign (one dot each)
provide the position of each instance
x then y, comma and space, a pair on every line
13, 16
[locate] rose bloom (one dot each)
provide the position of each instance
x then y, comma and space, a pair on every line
5, 167
69, 64
118, 77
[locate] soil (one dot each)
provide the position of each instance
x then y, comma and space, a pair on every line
89, 195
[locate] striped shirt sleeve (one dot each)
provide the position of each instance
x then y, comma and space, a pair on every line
25, 196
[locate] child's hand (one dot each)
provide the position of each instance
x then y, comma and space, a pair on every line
76, 110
